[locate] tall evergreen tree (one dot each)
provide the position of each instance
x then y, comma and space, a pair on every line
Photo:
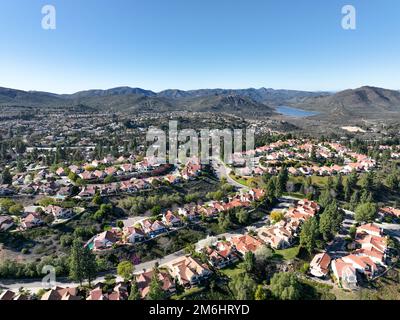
135, 293
76, 262
6, 177
156, 291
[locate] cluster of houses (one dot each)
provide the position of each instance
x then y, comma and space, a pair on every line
149, 228
41, 181
33, 216
185, 270
109, 166
190, 171
281, 234
368, 258
302, 151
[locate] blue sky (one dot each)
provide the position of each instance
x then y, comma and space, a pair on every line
190, 44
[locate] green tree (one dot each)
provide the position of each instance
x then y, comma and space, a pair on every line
249, 261
243, 287
156, 291
82, 263
366, 181
330, 221
242, 216
271, 189
309, 234
135, 293
352, 179
6, 177
89, 265
16, 209
97, 200
346, 191
260, 293
366, 212
76, 264
339, 185
325, 198
109, 179
156, 210
125, 270
224, 221
283, 178
276, 216
285, 286
392, 181
355, 199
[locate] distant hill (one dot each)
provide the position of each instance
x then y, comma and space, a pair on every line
28, 98
119, 91
364, 101
232, 103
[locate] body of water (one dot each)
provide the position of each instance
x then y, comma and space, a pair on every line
294, 112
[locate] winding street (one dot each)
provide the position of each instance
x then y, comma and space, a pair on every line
222, 171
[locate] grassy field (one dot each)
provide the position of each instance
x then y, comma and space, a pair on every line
287, 254
248, 181
233, 270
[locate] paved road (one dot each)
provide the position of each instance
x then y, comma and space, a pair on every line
222, 171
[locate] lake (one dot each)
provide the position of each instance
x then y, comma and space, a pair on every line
294, 112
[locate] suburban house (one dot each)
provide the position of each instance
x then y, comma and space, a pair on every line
188, 211
276, 236
345, 274
97, 295
103, 240
32, 220
7, 295
390, 211
143, 281
61, 294
362, 264
319, 266
133, 234
153, 229
370, 229
171, 219
222, 254
157, 228
188, 271
6, 222
246, 243
61, 172
58, 212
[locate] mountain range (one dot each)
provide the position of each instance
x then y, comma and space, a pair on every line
367, 101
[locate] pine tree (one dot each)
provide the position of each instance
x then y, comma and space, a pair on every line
309, 234
135, 293
156, 291
82, 263
6, 177
89, 265
76, 262
283, 178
